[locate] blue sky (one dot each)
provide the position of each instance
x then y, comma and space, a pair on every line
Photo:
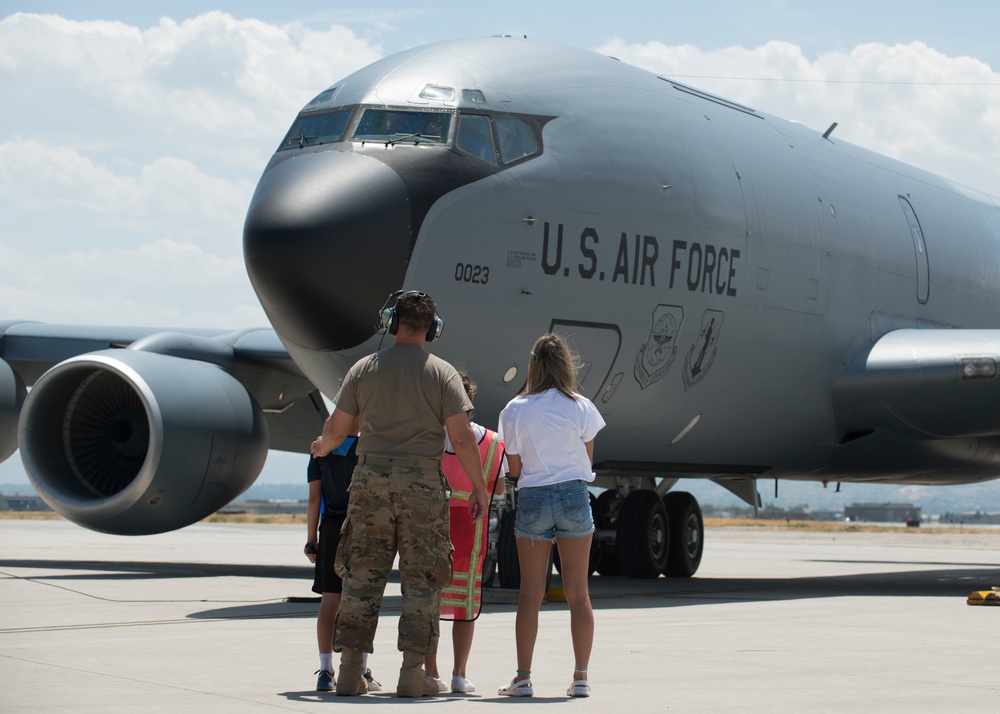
955, 28
133, 133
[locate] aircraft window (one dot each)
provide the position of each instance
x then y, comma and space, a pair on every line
323, 96
516, 139
475, 137
312, 129
474, 96
390, 125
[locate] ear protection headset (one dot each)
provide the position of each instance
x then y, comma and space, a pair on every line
389, 316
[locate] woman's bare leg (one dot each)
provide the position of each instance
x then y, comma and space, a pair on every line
574, 555
534, 559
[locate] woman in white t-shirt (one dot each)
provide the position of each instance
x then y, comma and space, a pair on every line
548, 431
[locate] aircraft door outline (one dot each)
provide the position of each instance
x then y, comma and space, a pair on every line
920, 249
598, 344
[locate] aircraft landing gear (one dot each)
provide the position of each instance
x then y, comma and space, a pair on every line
604, 554
595, 551
687, 534
643, 535
508, 564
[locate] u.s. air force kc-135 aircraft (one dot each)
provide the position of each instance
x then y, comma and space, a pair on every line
749, 298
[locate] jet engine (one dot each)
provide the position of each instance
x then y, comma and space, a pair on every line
11, 398
133, 443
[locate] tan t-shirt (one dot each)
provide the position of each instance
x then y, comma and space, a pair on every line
402, 395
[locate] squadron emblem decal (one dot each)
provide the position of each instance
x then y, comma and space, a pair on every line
660, 349
702, 353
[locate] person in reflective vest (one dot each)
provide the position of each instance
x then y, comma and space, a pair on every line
461, 601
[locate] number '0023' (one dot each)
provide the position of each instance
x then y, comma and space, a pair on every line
468, 273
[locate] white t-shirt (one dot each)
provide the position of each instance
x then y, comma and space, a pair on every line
549, 432
479, 431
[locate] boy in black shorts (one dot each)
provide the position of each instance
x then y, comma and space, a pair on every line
329, 476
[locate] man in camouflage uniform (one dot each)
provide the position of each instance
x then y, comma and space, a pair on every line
399, 399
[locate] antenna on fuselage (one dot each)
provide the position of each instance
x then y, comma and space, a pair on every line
826, 134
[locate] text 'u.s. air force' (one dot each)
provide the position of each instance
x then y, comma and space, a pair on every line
697, 266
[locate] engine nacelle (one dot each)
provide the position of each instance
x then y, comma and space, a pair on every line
132, 443
11, 399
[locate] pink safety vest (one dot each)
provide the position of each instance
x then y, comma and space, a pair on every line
463, 598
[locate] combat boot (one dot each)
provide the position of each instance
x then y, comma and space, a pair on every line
351, 678
413, 682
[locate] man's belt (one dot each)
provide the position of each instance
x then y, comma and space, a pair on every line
392, 461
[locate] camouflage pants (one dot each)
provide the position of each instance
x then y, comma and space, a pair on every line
393, 509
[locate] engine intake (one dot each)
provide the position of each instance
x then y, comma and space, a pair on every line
133, 443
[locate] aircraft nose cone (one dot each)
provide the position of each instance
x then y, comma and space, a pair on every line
326, 239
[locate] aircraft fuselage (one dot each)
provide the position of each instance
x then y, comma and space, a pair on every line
716, 268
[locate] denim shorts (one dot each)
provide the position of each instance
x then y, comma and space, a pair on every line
561, 510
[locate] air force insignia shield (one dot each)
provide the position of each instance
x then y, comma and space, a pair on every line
702, 353
660, 349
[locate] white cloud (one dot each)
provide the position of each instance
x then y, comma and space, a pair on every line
128, 157
162, 283
53, 188
907, 101
212, 74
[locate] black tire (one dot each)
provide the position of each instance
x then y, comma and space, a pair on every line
643, 535
687, 534
605, 561
606, 564
489, 571
508, 566
602, 509
594, 552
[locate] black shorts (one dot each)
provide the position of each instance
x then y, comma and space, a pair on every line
326, 579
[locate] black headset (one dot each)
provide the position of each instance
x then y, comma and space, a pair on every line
388, 317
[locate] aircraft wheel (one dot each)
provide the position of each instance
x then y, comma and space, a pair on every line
595, 559
643, 535
687, 534
508, 566
603, 509
607, 564
489, 571
594, 552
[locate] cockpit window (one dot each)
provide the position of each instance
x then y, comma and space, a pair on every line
475, 137
516, 139
323, 96
392, 125
319, 128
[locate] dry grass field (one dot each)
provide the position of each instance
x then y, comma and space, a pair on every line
755, 523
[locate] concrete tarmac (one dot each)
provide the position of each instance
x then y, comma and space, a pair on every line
775, 621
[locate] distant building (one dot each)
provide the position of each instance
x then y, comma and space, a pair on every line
976, 518
883, 513
23, 503
265, 507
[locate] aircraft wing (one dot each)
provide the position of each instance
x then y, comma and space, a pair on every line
142, 430
923, 384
